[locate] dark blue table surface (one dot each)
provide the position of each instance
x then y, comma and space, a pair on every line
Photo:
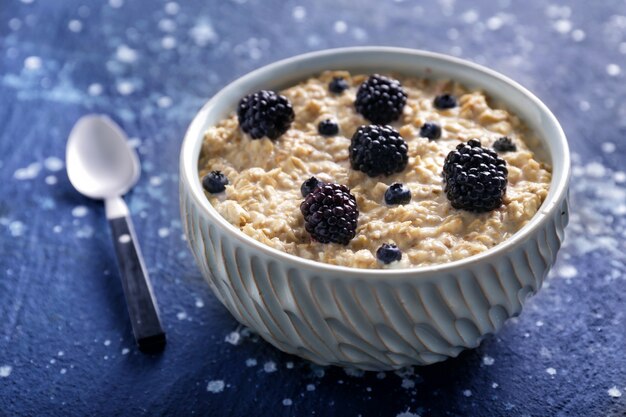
65, 340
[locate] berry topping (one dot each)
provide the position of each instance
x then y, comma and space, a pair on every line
330, 214
445, 101
475, 177
388, 253
338, 85
214, 182
431, 131
397, 193
380, 99
378, 150
504, 144
309, 185
328, 127
265, 113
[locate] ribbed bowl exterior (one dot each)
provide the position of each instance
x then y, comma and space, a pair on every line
372, 324
374, 320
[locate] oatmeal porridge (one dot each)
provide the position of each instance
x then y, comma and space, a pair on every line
450, 177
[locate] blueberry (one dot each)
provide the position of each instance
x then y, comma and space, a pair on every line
309, 185
388, 253
397, 193
328, 127
338, 85
431, 131
214, 182
445, 101
504, 144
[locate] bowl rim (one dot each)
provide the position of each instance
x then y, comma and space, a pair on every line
195, 132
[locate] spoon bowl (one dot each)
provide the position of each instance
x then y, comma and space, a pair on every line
100, 163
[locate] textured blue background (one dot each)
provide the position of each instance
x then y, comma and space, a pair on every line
65, 340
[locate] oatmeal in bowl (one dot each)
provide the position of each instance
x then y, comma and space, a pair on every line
374, 233
398, 145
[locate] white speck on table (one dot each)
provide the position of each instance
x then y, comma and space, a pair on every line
494, 23
613, 392
608, 147
168, 42
578, 35
407, 413
167, 25
16, 228
32, 63
203, 33
269, 367
340, 26
80, 211
94, 89
125, 54
75, 25
407, 383
470, 16
172, 8
5, 371
298, 13
125, 88
562, 26
15, 24
613, 70
234, 338
52, 163
165, 101
216, 386
27, 173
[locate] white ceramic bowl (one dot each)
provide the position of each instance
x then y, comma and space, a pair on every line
373, 319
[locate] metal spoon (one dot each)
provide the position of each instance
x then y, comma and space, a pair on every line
101, 165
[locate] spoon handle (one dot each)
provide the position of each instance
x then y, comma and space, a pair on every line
142, 307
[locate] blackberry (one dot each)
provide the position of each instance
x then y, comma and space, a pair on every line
445, 101
504, 144
309, 185
265, 113
338, 85
214, 182
432, 131
328, 127
377, 150
397, 193
475, 177
380, 99
388, 253
330, 214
